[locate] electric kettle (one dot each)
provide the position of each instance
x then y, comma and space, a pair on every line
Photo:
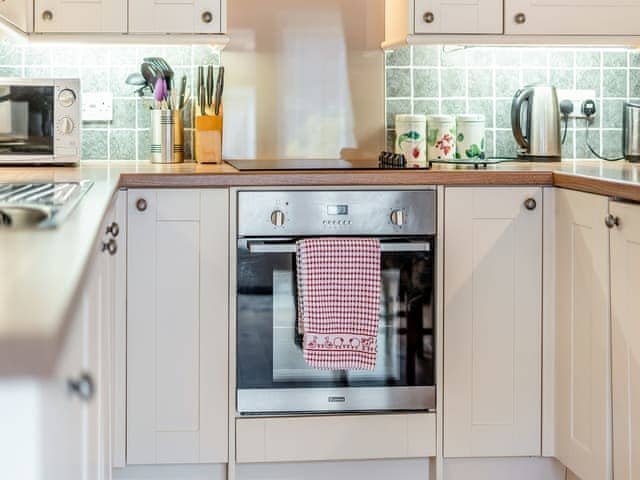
535, 121
631, 132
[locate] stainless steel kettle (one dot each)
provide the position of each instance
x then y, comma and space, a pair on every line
631, 132
535, 121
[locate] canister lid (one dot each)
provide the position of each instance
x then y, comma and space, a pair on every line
410, 118
441, 118
470, 117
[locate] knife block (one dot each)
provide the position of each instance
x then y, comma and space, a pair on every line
208, 138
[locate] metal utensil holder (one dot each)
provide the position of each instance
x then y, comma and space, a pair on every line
167, 136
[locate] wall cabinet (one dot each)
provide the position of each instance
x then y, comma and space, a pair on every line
492, 321
457, 16
177, 326
625, 309
582, 371
18, 13
80, 16
184, 16
580, 17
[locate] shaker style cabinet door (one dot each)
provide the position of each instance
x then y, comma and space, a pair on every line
177, 16
457, 16
177, 326
576, 17
81, 16
19, 13
492, 321
582, 388
625, 308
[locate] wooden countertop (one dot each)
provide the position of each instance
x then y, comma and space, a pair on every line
43, 271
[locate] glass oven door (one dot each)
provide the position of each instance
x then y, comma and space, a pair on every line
26, 120
272, 375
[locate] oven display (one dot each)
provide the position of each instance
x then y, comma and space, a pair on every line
337, 209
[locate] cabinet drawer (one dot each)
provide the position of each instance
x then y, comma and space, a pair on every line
335, 438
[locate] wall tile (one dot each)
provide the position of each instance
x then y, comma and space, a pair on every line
122, 145
453, 82
503, 113
95, 145
425, 82
612, 143
507, 82
535, 57
484, 107
427, 56
505, 144
454, 107
614, 59
634, 83
582, 151
612, 113
588, 58
426, 107
561, 58
144, 144
480, 82
588, 79
507, 56
480, 57
124, 113
561, 78
398, 82
400, 57
534, 75
454, 57
568, 145
614, 83
395, 107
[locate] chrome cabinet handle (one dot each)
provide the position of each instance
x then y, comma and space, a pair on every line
530, 204
141, 204
113, 229
261, 247
520, 18
47, 15
611, 221
82, 386
111, 247
429, 17
207, 17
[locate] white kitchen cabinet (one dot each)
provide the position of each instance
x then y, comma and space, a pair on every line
457, 16
180, 16
18, 13
177, 326
81, 16
339, 437
582, 365
577, 17
625, 309
492, 321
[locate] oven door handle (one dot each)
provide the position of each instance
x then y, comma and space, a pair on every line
387, 247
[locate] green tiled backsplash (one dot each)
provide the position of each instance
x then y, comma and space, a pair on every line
104, 68
451, 80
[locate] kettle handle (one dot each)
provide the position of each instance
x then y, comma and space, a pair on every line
521, 96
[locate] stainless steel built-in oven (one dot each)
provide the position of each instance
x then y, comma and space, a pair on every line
272, 375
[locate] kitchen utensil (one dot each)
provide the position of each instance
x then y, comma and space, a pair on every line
201, 90
219, 90
135, 79
539, 137
210, 83
150, 74
183, 91
208, 138
164, 68
160, 91
631, 132
411, 132
470, 138
441, 137
167, 136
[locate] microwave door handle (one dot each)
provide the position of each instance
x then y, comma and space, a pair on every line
387, 247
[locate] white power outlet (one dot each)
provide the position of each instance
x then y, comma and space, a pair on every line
576, 97
97, 107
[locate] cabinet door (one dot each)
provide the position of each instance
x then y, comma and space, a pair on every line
178, 16
177, 326
458, 16
81, 16
19, 13
582, 389
572, 17
625, 308
492, 322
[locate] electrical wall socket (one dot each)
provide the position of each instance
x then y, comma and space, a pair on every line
576, 97
97, 107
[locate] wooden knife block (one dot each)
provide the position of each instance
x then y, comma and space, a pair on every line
208, 138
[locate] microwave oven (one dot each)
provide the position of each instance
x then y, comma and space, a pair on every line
39, 121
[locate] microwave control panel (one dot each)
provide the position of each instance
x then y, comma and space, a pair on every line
67, 117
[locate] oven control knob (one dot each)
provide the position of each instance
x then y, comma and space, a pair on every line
277, 218
66, 126
398, 217
67, 97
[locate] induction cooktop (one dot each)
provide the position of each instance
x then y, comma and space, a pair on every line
304, 164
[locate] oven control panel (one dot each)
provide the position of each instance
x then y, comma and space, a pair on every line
337, 212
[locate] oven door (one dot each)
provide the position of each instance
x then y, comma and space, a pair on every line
26, 121
272, 375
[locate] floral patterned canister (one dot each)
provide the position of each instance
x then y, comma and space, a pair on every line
441, 137
470, 141
410, 139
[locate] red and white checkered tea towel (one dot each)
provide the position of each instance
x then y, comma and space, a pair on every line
339, 301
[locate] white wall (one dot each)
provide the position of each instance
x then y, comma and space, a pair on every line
305, 79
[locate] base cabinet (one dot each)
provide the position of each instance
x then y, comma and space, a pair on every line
625, 310
177, 326
582, 386
492, 322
